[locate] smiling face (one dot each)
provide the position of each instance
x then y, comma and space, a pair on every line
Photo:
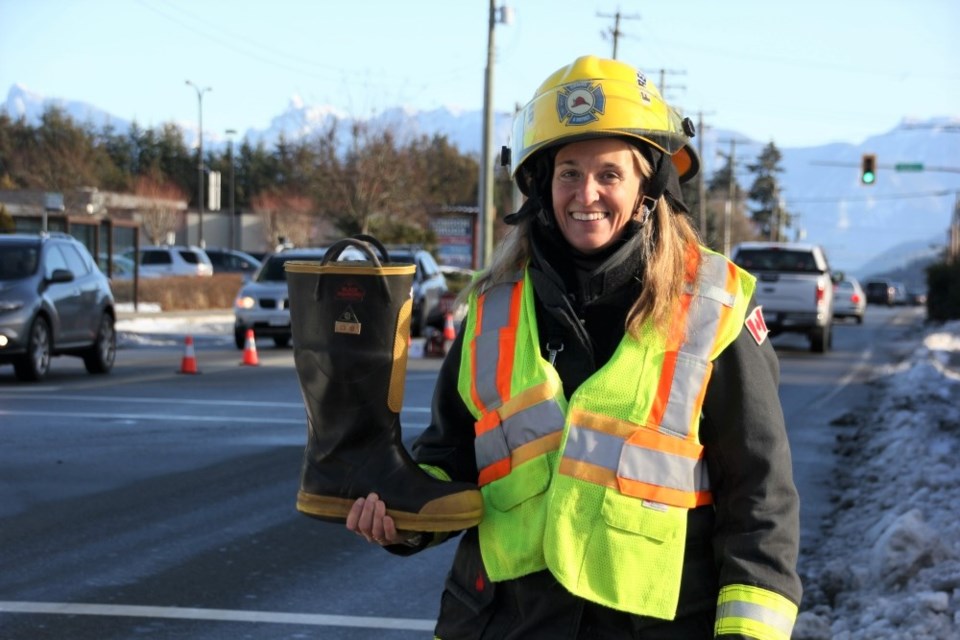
596, 186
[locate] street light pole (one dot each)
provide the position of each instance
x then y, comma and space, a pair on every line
233, 202
200, 93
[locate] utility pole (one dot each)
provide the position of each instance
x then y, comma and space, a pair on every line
200, 93
615, 33
233, 191
731, 192
701, 179
487, 211
663, 81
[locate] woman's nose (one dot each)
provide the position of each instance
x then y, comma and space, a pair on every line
587, 190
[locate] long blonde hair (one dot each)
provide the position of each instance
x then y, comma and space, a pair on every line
667, 241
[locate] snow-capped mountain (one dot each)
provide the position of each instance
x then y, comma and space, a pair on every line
821, 185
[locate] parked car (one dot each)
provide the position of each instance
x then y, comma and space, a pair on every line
880, 292
54, 301
232, 261
849, 300
122, 268
173, 260
262, 303
429, 287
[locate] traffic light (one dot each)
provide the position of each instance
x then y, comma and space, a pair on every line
868, 169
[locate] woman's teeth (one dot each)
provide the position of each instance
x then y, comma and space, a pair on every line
588, 216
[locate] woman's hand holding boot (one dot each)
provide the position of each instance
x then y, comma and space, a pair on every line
368, 518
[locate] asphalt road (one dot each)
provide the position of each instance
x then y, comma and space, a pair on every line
150, 503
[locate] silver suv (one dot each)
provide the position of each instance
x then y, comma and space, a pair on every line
173, 260
54, 300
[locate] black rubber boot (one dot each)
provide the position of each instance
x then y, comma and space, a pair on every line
351, 324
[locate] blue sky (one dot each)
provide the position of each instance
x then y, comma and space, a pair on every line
797, 73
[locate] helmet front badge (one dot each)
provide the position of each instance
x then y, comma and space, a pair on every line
579, 103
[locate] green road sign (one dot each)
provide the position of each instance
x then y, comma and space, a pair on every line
908, 166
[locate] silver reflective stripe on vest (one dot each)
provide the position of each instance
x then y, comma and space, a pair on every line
638, 463
703, 322
750, 611
496, 316
519, 429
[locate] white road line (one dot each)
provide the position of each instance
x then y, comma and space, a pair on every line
854, 371
223, 615
187, 401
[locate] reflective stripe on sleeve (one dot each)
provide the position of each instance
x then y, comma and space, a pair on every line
754, 613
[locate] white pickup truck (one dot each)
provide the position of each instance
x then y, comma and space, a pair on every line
794, 287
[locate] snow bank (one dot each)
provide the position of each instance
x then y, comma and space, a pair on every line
887, 566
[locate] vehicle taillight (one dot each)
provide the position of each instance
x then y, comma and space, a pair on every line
855, 298
820, 291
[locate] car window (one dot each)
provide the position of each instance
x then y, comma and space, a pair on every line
156, 257
52, 261
18, 262
75, 261
429, 265
190, 256
273, 270
777, 260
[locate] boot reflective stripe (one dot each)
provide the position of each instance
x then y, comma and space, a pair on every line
754, 613
351, 267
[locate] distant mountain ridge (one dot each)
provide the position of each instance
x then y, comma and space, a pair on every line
820, 184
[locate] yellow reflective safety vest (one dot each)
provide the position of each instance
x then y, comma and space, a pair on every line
596, 489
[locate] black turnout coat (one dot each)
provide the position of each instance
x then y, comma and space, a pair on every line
750, 535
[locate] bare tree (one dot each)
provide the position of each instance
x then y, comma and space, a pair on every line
159, 217
289, 217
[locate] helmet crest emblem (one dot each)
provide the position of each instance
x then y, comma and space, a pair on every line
580, 102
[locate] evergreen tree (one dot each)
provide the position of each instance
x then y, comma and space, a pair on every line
768, 216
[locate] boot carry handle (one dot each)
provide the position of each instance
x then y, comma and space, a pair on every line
365, 237
361, 242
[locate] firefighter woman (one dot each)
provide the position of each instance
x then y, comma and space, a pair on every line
613, 393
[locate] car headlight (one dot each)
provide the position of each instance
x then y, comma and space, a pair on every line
245, 302
10, 305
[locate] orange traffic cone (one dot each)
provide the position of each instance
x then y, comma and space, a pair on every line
250, 350
449, 331
189, 362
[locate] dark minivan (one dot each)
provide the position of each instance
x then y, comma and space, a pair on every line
880, 292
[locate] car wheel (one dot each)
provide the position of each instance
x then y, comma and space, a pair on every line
820, 338
281, 341
100, 357
859, 319
240, 337
35, 363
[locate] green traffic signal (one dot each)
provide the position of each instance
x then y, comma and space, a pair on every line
868, 169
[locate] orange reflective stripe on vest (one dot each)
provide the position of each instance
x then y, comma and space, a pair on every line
512, 428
